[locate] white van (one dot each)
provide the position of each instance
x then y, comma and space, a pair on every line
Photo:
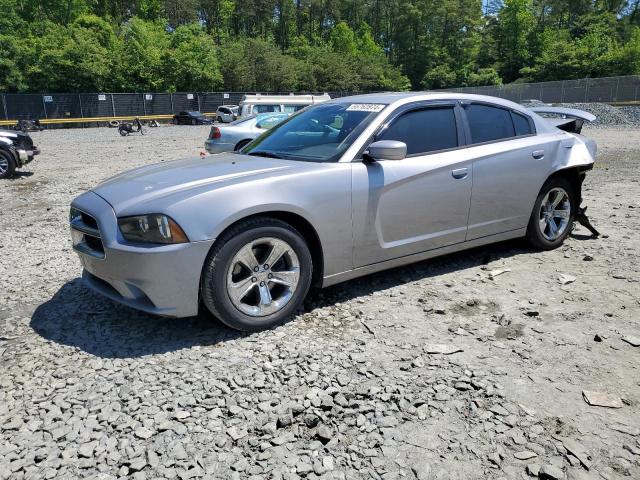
255, 104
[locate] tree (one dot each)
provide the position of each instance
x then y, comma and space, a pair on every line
268, 45
141, 59
191, 62
515, 23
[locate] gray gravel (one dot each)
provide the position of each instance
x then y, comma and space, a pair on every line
607, 115
469, 366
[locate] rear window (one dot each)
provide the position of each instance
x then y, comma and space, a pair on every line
293, 108
488, 123
521, 124
266, 108
424, 131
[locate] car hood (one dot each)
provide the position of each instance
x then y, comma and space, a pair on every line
178, 179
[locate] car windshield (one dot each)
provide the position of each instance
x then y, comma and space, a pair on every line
318, 134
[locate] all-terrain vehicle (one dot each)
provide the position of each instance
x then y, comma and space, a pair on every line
16, 150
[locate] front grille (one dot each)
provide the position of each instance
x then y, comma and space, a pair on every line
87, 238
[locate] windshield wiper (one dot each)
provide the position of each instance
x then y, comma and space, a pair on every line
264, 153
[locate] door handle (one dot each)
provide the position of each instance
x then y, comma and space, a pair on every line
460, 173
537, 154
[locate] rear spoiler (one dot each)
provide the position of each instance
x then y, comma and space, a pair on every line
567, 119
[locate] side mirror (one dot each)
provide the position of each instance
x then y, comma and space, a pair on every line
387, 150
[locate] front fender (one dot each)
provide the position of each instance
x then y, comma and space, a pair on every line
321, 197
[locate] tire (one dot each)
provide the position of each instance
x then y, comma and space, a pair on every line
174, 121
7, 164
123, 132
241, 144
259, 236
114, 124
540, 234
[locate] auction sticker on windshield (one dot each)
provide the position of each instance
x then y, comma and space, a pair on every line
365, 107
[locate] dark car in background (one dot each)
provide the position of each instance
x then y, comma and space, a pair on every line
16, 150
191, 118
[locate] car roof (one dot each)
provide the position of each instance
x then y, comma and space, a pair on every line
399, 98
387, 98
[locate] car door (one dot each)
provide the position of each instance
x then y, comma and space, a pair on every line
510, 164
402, 207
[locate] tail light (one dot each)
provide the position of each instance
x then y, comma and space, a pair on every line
215, 133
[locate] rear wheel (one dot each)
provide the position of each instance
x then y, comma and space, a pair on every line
553, 214
7, 164
257, 275
123, 132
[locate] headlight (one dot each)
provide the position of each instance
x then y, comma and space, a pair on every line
74, 214
154, 228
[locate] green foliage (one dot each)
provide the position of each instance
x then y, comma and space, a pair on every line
311, 45
191, 62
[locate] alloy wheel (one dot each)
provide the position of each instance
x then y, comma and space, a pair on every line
555, 213
4, 165
263, 276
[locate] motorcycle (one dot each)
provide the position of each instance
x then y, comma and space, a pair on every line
126, 128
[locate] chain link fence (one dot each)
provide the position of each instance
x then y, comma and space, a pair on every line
102, 105
587, 90
88, 106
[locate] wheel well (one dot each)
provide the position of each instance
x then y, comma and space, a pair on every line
241, 143
306, 230
575, 176
11, 151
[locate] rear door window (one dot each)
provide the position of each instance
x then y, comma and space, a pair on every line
488, 124
521, 124
425, 130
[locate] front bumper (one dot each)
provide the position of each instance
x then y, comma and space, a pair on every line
161, 280
25, 156
218, 147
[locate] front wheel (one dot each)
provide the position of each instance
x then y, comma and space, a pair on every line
7, 164
553, 214
257, 274
123, 132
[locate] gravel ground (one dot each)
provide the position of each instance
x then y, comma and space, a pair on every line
468, 366
607, 116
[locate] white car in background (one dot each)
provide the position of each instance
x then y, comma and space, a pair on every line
226, 113
256, 104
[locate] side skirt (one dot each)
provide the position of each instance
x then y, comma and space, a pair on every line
418, 257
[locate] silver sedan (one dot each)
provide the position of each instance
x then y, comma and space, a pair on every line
339, 190
234, 136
